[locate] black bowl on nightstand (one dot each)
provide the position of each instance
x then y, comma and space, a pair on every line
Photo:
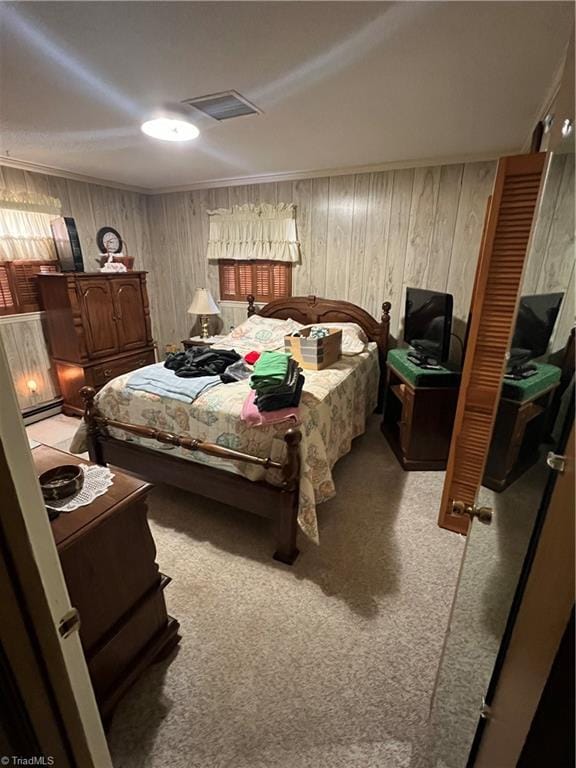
60, 482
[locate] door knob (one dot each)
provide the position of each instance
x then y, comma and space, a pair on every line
482, 514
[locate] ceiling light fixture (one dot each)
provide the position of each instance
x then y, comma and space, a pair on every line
170, 129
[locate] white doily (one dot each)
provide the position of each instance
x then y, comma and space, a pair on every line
97, 480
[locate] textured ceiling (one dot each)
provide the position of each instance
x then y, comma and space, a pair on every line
340, 84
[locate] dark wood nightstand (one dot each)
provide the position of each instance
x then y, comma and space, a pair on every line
108, 555
419, 410
198, 341
520, 426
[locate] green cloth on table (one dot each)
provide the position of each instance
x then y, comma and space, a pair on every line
421, 377
528, 389
270, 371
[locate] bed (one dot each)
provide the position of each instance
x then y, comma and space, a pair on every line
279, 471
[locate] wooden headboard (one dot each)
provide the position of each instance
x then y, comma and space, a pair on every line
311, 309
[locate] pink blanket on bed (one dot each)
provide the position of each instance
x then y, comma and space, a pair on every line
255, 418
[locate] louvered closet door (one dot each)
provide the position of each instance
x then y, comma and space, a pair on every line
503, 251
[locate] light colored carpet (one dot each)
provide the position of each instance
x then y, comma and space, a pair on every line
328, 663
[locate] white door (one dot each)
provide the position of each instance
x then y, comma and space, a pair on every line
43, 588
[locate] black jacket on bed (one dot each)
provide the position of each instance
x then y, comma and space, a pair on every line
200, 361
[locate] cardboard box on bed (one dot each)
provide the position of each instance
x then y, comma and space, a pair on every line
315, 354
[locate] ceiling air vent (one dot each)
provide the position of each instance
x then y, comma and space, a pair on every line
223, 106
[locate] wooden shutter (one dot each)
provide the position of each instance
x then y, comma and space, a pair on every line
245, 282
8, 305
281, 280
266, 280
19, 285
497, 284
26, 283
228, 290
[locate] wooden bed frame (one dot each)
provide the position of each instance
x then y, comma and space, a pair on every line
279, 503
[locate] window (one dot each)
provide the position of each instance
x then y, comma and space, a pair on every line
19, 286
265, 280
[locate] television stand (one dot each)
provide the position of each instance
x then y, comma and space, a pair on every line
520, 426
419, 410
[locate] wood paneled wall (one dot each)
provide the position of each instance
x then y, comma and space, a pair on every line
92, 206
28, 358
550, 263
364, 237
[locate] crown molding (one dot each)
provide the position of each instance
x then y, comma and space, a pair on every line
49, 170
269, 178
323, 173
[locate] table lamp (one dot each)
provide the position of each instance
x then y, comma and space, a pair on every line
203, 304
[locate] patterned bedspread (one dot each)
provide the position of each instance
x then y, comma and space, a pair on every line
334, 408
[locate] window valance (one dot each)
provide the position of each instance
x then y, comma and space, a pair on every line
248, 232
26, 235
18, 200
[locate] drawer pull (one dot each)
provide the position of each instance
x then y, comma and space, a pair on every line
142, 362
107, 372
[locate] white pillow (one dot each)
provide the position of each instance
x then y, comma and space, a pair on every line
260, 334
354, 339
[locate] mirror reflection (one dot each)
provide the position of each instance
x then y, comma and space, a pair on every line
537, 390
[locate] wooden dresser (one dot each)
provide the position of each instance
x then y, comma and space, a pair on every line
108, 558
98, 327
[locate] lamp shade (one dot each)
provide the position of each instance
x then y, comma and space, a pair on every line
203, 303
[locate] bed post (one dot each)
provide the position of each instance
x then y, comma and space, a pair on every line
92, 431
251, 308
287, 552
383, 345
385, 329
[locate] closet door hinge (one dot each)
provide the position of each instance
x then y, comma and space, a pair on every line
69, 623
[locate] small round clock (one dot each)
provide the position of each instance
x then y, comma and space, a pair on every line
108, 240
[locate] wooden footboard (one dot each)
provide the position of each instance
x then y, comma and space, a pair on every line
279, 503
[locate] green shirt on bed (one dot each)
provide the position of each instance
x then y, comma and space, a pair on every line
270, 371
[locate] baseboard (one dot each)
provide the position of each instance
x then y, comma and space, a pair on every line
40, 412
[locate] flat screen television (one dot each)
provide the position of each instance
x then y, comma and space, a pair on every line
427, 325
534, 325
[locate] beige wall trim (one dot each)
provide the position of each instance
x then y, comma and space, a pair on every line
23, 318
329, 172
255, 179
49, 170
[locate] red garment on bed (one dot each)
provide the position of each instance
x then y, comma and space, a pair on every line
252, 357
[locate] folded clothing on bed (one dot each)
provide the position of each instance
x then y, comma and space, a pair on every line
275, 401
271, 371
200, 361
255, 418
277, 382
158, 380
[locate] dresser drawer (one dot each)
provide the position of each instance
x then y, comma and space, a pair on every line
101, 374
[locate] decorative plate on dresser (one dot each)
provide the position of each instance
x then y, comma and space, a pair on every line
98, 327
